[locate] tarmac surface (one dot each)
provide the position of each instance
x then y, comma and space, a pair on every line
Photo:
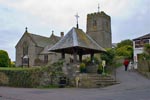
132, 86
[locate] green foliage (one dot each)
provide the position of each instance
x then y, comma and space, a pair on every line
56, 68
146, 54
125, 43
147, 49
12, 64
96, 60
100, 69
87, 61
125, 49
22, 77
30, 77
108, 56
82, 68
4, 59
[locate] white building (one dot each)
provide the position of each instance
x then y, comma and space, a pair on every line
138, 47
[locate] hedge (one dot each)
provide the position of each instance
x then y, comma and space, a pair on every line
21, 77
31, 77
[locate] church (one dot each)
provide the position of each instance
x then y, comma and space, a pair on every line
34, 50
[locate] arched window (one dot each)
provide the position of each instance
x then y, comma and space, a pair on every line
25, 58
25, 48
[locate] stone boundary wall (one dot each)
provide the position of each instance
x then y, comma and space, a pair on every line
143, 68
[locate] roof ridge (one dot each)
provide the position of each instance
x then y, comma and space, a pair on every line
143, 36
75, 41
54, 35
76, 38
38, 35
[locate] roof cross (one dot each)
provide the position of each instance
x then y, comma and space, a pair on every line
77, 16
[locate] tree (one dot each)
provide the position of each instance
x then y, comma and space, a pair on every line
125, 49
108, 56
125, 43
4, 59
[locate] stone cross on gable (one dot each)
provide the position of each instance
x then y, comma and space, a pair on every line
77, 16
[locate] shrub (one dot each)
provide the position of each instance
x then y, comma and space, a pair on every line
31, 77
82, 68
4, 59
87, 60
22, 77
108, 56
12, 64
100, 69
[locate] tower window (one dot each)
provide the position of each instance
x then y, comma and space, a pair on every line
94, 23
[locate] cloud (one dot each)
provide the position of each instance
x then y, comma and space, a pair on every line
130, 18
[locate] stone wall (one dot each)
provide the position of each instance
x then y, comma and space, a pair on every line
31, 50
143, 67
99, 28
35, 58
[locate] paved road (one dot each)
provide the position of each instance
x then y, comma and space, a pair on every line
132, 87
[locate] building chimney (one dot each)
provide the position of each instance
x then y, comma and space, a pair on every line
62, 34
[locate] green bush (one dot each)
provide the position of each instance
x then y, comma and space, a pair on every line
87, 60
108, 56
31, 77
4, 59
100, 69
82, 68
22, 77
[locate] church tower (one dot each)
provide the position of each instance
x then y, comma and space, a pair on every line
99, 28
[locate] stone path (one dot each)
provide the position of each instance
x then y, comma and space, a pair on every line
132, 87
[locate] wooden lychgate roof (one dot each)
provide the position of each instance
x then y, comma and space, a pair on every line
76, 39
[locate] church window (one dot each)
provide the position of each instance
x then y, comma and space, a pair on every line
25, 49
45, 58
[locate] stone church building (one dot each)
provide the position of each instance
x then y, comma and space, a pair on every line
33, 50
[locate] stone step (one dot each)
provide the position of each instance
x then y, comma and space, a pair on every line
96, 80
100, 78
103, 81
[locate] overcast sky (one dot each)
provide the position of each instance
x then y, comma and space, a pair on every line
129, 18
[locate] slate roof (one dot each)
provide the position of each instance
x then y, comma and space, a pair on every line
76, 38
53, 40
42, 41
147, 36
